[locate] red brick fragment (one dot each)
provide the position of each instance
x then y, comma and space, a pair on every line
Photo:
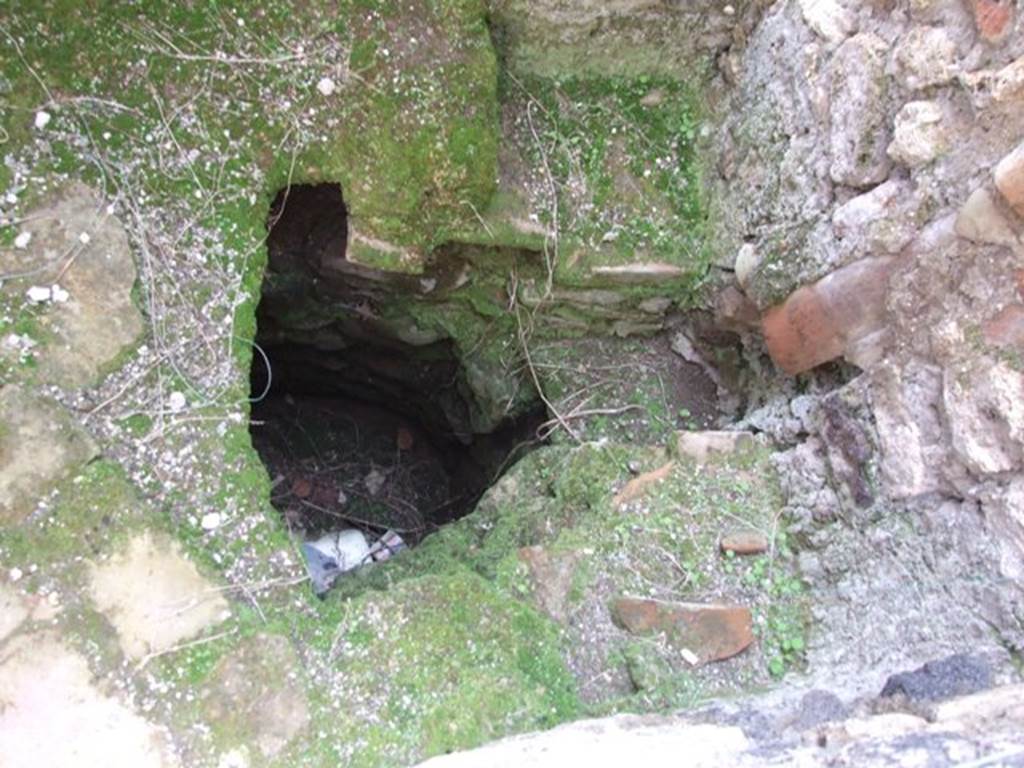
711, 632
993, 19
1006, 329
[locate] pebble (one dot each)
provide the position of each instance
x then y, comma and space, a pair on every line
22, 240
326, 86
38, 294
210, 521
176, 402
302, 488
15, 574
42, 119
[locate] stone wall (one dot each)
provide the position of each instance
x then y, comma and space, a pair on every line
871, 187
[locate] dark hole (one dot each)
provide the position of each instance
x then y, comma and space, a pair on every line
357, 427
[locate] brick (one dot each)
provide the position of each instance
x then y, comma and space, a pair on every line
743, 542
993, 19
800, 333
823, 321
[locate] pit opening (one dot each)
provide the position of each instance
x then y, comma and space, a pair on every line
357, 427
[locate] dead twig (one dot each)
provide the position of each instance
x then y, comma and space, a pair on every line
182, 647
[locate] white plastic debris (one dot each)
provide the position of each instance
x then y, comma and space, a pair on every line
84, 238
38, 294
176, 402
210, 521
22, 240
326, 86
386, 546
333, 554
42, 119
15, 574
690, 657
375, 481
58, 294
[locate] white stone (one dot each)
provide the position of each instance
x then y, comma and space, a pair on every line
981, 221
925, 57
703, 445
374, 481
22, 240
38, 294
210, 521
746, 262
828, 19
919, 135
176, 402
326, 86
42, 119
15, 575
84, 238
879, 221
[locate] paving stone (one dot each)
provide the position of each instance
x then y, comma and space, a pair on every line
153, 596
80, 245
257, 693
54, 715
40, 445
712, 632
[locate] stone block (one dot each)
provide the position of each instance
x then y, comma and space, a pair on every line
1009, 178
858, 119
40, 445
702, 445
925, 57
829, 19
981, 221
87, 251
919, 135
153, 596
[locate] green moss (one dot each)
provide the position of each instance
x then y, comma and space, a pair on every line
92, 512
443, 662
